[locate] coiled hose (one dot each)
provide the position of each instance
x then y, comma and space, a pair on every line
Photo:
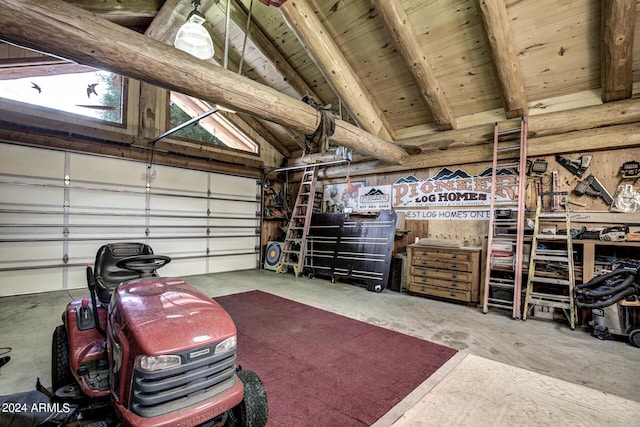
625, 286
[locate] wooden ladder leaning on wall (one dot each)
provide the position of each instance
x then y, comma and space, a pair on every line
505, 240
551, 276
295, 242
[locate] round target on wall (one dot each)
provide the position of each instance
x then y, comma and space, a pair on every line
272, 255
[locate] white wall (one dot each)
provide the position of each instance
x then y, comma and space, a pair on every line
57, 208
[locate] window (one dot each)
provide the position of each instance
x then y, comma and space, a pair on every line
214, 129
96, 94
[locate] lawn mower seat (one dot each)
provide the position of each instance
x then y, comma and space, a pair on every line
107, 275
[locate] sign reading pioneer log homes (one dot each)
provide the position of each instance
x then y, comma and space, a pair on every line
453, 188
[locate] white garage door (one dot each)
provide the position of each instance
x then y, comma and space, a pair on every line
57, 208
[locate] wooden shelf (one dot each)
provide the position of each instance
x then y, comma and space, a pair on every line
589, 254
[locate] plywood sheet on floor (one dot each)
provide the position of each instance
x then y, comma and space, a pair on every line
480, 391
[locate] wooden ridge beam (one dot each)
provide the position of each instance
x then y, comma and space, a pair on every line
334, 66
497, 29
616, 137
403, 34
616, 51
612, 113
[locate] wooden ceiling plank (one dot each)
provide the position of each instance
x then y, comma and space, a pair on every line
403, 34
49, 26
617, 30
240, 16
334, 66
496, 23
263, 132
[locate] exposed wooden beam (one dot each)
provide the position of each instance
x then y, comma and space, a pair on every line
166, 23
559, 122
403, 34
334, 66
616, 51
498, 31
51, 25
616, 137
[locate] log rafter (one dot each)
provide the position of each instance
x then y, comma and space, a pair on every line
334, 67
403, 34
616, 50
496, 24
619, 137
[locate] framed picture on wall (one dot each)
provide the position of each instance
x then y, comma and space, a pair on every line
341, 197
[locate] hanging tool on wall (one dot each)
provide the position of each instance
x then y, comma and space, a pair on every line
593, 187
630, 170
576, 167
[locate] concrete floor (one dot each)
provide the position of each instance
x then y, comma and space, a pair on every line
547, 347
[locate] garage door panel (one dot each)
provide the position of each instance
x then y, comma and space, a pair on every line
20, 160
79, 202
87, 170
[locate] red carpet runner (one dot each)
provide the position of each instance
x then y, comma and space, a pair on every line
323, 369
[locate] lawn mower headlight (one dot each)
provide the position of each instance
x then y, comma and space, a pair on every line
226, 345
158, 363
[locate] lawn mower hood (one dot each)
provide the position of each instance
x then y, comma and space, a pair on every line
170, 345
168, 315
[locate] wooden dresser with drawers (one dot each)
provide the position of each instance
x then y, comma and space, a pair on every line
445, 272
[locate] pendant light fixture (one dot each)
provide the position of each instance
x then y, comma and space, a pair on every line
193, 38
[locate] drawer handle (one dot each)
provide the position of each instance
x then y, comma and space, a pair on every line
424, 280
453, 294
424, 262
454, 283
454, 265
454, 256
454, 276
423, 289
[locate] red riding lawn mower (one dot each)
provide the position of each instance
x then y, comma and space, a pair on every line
147, 351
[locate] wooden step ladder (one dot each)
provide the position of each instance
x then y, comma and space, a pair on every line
295, 242
503, 273
551, 268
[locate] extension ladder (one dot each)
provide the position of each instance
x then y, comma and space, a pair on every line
295, 242
503, 273
551, 269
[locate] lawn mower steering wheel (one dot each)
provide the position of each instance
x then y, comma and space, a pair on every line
144, 265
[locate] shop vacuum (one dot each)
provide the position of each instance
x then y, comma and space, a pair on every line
613, 298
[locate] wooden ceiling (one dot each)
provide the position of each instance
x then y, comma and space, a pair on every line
404, 70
